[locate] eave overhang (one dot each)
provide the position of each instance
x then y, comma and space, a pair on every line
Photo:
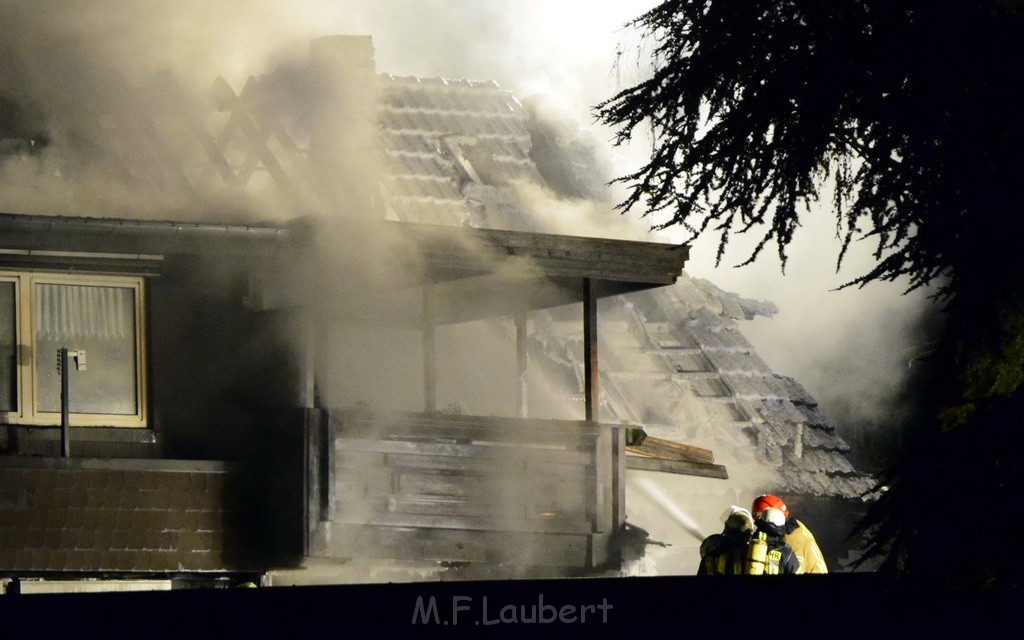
472, 273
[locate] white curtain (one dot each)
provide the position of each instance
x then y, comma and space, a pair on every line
64, 312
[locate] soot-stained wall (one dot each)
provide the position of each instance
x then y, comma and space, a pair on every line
224, 382
221, 369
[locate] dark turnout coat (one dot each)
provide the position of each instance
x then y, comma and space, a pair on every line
723, 553
781, 560
726, 553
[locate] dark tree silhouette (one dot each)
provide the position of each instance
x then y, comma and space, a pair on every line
906, 115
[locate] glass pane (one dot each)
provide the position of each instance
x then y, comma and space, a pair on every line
8, 349
101, 322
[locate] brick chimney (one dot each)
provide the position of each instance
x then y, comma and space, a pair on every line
341, 148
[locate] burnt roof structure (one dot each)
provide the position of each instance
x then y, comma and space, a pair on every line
454, 152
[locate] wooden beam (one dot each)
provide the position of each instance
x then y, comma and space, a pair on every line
668, 450
704, 470
176, 100
257, 139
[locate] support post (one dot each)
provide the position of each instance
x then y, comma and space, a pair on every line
619, 478
429, 351
521, 365
307, 388
590, 378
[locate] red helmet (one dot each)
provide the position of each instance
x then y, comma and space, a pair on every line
767, 500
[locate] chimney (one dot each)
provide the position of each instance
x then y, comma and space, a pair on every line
341, 148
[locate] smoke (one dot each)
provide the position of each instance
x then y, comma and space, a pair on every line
53, 43
66, 65
74, 70
580, 217
655, 492
852, 348
71, 69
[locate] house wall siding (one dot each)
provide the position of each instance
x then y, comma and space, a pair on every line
119, 516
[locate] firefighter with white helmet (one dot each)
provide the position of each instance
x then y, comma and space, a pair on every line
724, 553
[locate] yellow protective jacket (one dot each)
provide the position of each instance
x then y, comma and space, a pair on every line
802, 541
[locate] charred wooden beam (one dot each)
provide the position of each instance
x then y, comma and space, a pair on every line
701, 469
257, 139
668, 450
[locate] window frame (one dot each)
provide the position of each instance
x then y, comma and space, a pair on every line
26, 375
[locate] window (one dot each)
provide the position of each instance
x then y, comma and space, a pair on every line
97, 317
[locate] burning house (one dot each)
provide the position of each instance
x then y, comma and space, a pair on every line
408, 363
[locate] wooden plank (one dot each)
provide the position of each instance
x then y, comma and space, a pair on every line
674, 466
460, 450
356, 513
455, 433
559, 483
489, 507
347, 483
521, 548
564, 464
668, 450
404, 422
456, 464
550, 489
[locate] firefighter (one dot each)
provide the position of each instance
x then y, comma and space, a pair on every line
797, 535
767, 553
723, 553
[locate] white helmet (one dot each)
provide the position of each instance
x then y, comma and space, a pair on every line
774, 516
739, 518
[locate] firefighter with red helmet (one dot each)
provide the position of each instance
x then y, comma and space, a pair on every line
796, 534
767, 552
749, 546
